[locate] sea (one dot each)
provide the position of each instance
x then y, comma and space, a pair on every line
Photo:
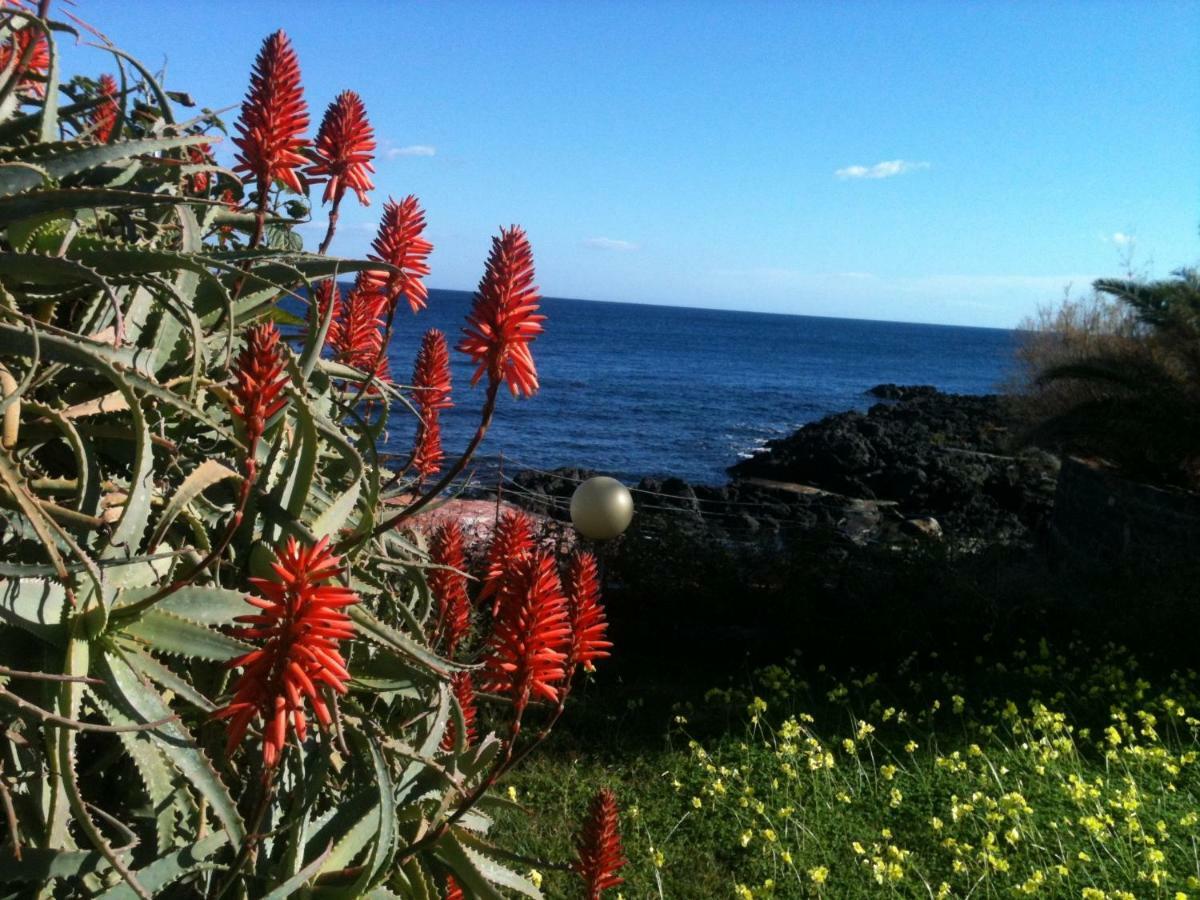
634, 390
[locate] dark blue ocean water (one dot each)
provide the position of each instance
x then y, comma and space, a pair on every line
643, 390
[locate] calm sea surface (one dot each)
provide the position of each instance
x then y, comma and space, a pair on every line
643, 390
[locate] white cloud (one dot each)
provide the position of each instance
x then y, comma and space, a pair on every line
1121, 239
885, 169
412, 150
603, 243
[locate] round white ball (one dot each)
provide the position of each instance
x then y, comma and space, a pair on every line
601, 508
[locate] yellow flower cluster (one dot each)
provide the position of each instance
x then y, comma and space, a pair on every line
1081, 782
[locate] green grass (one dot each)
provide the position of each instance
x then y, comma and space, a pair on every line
1042, 771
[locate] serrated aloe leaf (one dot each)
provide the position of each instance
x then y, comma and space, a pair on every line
467, 870
478, 852
168, 869
14, 180
167, 632
180, 746
298, 463
166, 677
42, 865
342, 820
371, 627
64, 201
36, 605
204, 604
158, 776
204, 476
384, 846
300, 879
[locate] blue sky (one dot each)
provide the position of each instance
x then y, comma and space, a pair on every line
722, 154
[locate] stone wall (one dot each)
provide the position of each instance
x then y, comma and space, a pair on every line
1100, 517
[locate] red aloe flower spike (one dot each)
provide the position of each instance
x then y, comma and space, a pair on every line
39, 57
344, 149
301, 621
427, 455
431, 392
399, 243
199, 155
464, 693
599, 846
104, 116
328, 294
431, 372
449, 585
453, 891
527, 650
504, 321
356, 335
512, 541
588, 622
259, 379
273, 120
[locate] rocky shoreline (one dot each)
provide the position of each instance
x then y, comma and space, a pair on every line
919, 465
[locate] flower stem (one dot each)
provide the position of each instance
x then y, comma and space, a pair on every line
489, 408
333, 220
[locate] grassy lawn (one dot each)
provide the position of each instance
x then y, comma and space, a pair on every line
1056, 770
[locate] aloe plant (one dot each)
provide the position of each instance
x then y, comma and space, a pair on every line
140, 499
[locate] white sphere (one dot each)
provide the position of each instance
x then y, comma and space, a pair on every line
601, 508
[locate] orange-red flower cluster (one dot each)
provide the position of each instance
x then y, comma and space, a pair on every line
448, 584
527, 651
512, 541
301, 622
258, 382
356, 333
344, 149
104, 116
464, 693
399, 243
588, 622
274, 117
504, 320
599, 846
431, 394
199, 155
38, 61
453, 891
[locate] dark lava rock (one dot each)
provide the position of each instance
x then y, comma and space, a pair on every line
856, 478
902, 392
948, 456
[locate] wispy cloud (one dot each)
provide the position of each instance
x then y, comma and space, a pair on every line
887, 169
604, 243
1121, 239
412, 150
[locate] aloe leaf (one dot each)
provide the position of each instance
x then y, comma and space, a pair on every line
64, 201
181, 747
62, 165
168, 869
477, 851
467, 867
204, 476
350, 828
156, 773
168, 633
36, 605
300, 879
389, 637
208, 605
160, 674
43, 865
